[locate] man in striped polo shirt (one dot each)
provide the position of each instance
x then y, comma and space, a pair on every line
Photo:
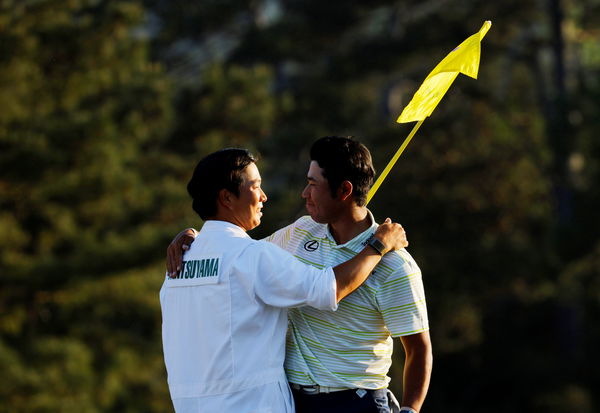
338, 361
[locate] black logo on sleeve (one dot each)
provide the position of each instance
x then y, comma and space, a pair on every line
311, 246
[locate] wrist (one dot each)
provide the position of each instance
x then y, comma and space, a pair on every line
376, 244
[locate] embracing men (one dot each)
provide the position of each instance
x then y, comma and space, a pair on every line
339, 360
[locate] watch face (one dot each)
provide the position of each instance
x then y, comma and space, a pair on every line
378, 245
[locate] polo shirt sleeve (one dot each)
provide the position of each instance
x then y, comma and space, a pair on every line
283, 281
401, 298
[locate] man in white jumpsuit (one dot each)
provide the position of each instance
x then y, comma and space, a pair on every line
224, 314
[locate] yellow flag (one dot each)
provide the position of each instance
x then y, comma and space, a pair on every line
464, 59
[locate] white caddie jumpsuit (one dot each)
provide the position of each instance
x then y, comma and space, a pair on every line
225, 321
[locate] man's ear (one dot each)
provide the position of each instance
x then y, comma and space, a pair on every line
345, 190
225, 199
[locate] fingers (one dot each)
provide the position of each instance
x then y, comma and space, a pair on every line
404, 239
176, 248
400, 240
171, 266
392, 234
174, 259
186, 241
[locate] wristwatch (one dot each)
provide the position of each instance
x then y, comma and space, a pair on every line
377, 245
407, 410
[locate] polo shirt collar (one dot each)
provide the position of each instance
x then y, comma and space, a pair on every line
357, 243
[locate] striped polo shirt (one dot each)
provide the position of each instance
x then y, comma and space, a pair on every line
351, 347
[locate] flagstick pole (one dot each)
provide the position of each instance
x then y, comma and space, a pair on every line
392, 162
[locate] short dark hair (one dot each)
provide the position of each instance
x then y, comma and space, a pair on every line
219, 170
344, 159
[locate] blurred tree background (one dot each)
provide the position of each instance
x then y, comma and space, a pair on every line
108, 105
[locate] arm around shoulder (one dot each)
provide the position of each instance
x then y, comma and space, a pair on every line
281, 280
352, 273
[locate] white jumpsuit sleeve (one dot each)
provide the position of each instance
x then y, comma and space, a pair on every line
283, 281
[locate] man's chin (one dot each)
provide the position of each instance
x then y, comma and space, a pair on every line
254, 224
316, 218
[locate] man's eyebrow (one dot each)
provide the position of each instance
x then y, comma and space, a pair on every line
310, 178
254, 181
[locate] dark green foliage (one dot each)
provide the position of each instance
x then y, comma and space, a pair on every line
106, 106
85, 198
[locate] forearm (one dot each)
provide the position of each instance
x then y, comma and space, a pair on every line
352, 273
417, 374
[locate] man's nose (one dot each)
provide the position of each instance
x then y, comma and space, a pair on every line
305, 192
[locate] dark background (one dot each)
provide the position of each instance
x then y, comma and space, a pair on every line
106, 106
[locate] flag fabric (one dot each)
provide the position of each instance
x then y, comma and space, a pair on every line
464, 59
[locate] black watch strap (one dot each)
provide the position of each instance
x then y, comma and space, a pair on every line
377, 245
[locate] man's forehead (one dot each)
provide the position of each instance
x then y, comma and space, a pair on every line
251, 173
315, 172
